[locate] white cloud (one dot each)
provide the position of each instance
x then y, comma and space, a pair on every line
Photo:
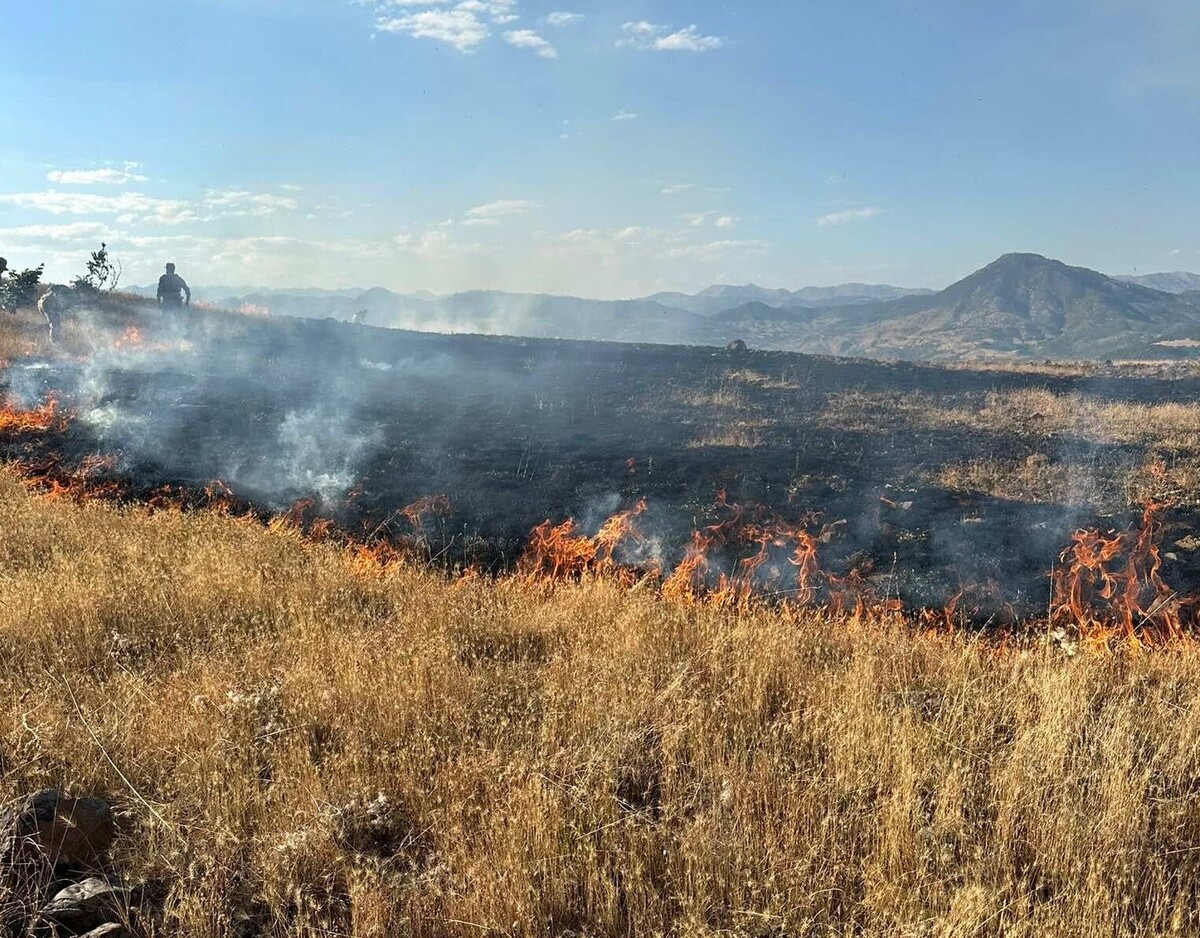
93, 177
680, 187
688, 40
461, 29
234, 203
848, 215
502, 208
70, 232
626, 116
460, 25
653, 37
563, 18
529, 39
714, 250
127, 206
726, 221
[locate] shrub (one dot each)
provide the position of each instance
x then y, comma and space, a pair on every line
103, 273
19, 289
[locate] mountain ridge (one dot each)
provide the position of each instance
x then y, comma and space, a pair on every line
1019, 306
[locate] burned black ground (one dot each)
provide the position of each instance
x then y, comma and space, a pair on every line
518, 431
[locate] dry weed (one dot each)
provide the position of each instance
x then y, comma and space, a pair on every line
299, 748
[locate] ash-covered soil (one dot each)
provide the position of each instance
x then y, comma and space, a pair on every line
517, 431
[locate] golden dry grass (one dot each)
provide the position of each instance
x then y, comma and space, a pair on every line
300, 745
1036, 410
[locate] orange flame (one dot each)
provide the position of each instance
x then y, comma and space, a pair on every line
1109, 587
45, 418
558, 552
130, 338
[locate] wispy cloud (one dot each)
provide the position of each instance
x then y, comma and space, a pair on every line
462, 26
458, 28
491, 213
848, 215
129, 207
678, 188
74, 232
563, 18
93, 177
626, 116
656, 38
529, 39
233, 203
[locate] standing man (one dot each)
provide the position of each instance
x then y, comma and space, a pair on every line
55, 303
171, 288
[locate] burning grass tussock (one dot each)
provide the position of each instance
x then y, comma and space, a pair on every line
296, 747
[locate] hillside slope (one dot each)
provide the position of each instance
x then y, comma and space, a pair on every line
1019, 306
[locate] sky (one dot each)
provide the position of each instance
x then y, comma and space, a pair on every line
608, 149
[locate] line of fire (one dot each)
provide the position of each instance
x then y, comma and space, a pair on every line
95, 424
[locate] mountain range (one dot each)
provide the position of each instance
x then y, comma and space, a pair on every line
1020, 306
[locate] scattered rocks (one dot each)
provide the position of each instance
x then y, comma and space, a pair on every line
89, 904
67, 832
53, 869
111, 930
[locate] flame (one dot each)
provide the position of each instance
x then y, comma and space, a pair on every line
559, 552
130, 338
1107, 591
1108, 587
435, 506
46, 418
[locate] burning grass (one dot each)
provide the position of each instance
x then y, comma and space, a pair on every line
303, 745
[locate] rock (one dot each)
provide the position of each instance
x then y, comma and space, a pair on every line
111, 930
66, 831
737, 345
89, 904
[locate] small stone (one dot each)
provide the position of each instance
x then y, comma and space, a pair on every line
66, 831
111, 930
89, 904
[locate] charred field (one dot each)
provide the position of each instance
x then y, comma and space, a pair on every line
931, 485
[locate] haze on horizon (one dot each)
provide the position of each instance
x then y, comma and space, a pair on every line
597, 149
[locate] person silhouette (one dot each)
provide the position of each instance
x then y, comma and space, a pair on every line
171, 290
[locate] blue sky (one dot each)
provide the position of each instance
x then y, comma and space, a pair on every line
603, 149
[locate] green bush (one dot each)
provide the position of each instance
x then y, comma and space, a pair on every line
19, 288
103, 274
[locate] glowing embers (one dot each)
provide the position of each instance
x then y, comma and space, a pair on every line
1109, 587
134, 340
130, 338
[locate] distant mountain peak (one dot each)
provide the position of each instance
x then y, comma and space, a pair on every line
1176, 281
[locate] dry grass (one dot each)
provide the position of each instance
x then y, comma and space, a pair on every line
1034, 479
1035, 410
318, 748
